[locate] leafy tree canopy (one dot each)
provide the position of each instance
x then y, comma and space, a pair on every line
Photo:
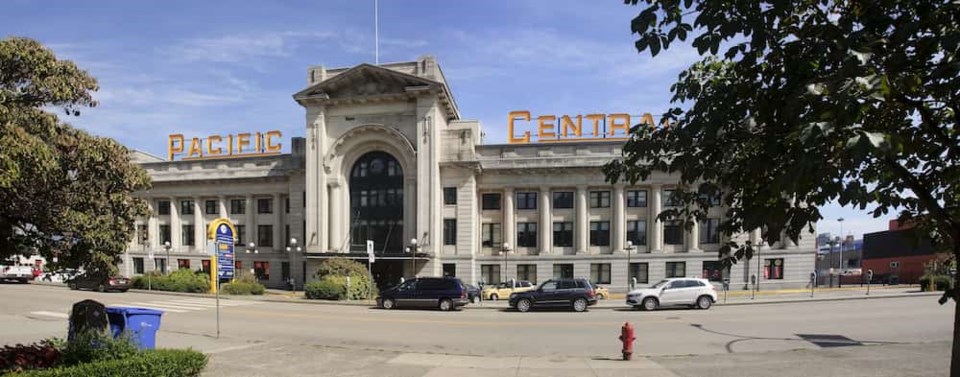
63, 192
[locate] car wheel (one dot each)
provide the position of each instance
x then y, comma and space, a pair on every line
388, 303
579, 305
101, 288
446, 305
523, 305
494, 297
650, 303
704, 302
72, 286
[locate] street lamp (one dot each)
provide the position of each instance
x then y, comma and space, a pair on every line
167, 247
504, 250
759, 272
252, 248
629, 249
840, 256
293, 247
413, 249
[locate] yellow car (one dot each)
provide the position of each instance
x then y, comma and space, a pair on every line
503, 290
602, 292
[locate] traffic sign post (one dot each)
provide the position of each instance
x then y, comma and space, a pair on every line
370, 260
222, 232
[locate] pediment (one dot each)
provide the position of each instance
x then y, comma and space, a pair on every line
366, 80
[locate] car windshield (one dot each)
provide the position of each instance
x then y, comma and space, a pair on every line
660, 284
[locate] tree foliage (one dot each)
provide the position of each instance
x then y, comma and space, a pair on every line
63, 191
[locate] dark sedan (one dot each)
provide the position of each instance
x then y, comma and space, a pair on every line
577, 294
102, 283
473, 293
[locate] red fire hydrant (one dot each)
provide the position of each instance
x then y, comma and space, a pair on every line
626, 336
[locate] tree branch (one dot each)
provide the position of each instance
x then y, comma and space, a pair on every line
922, 193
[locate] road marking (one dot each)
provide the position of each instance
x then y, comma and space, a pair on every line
234, 348
156, 307
213, 302
185, 304
52, 314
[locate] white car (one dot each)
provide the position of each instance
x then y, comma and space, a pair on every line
674, 292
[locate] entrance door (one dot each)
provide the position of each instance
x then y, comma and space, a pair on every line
376, 213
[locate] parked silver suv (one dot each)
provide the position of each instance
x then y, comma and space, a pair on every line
674, 292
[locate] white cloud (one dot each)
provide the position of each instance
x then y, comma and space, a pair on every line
242, 47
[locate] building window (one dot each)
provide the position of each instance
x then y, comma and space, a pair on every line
671, 198
261, 270
449, 269
563, 234
599, 233
210, 207
241, 233
676, 269
711, 199
491, 234
712, 270
708, 231
286, 206
599, 199
449, 196
183, 264
672, 232
527, 272
163, 207
526, 200
160, 264
773, 268
265, 235
285, 271
449, 232
143, 234
137, 265
637, 232
205, 266
265, 205
491, 201
527, 234
637, 198
186, 207
186, 235
563, 270
600, 273
490, 273
640, 271
238, 206
164, 234
562, 199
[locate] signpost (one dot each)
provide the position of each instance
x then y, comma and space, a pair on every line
222, 232
370, 260
150, 276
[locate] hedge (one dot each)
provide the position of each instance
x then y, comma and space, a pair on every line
942, 282
184, 280
332, 283
148, 363
244, 285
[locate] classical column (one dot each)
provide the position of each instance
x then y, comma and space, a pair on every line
279, 239
545, 221
175, 227
336, 218
582, 234
199, 227
693, 238
656, 226
250, 222
222, 201
509, 221
153, 226
618, 221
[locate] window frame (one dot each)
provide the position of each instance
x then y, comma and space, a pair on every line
669, 224
635, 200
708, 231
264, 209
562, 200
600, 273
526, 200
186, 207
486, 198
449, 232
449, 196
600, 199
527, 237
163, 207
561, 236
207, 207
635, 268
671, 272
769, 268
495, 235
637, 231
598, 235
238, 206
261, 234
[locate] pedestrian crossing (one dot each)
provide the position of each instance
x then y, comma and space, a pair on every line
185, 305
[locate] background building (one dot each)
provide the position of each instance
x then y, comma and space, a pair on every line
896, 255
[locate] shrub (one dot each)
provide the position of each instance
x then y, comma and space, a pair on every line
324, 290
244, 285
149, 363
332, 284
184, 280
940, 282
33, 356
92, 346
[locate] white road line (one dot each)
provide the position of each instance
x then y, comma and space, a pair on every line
52, 314
151, 307
186, 304
222, 302
174, 306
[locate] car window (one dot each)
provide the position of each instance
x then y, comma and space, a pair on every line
583, 284
677, 284
526, 284
408, 285
549, 286
660, 284
567, 284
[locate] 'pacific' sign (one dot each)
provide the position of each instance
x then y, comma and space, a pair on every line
229, 146
566, 128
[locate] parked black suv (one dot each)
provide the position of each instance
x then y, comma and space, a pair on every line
444, 293
575, 293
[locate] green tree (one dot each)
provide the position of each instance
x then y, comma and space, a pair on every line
799, 103
63, 192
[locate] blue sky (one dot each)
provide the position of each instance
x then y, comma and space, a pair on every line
216, 67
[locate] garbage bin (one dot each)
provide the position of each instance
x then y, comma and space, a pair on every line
141, 323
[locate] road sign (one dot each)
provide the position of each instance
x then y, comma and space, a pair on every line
225, 255
370, 257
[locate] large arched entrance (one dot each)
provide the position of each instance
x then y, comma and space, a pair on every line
376, 212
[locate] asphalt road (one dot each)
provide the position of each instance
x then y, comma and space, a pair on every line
31, 312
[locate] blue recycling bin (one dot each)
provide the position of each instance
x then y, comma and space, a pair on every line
141, 323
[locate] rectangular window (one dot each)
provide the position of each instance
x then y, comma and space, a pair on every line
639, 271
183, 264
672, 232
163, 207
637, 198
599, 233
599, 199
449, 269
527, 272
186, 207
205, 266
286, 206
563, 270
160, 264
138, 265
164, 234
773, 268
562, 199
490, 273
210, 207
526, 200
676, 269
563, 234
712, 270
709, 232
241, 234
670, 198
143, 234
186, 235
637, 232
265, 235
285, 271
261, 270
527, 234
449, 196
711, 199
449, 232
491, 201
238, 206
490, 234
265, 205
600, 273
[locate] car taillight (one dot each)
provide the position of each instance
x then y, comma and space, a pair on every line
591, 293
463, 293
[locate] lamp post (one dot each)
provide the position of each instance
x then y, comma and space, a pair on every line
252, 249
291, 248
505, 249
413, 249
167, 247
759, 272
629, 249
840, 256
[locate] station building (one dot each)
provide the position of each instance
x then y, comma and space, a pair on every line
386, 157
